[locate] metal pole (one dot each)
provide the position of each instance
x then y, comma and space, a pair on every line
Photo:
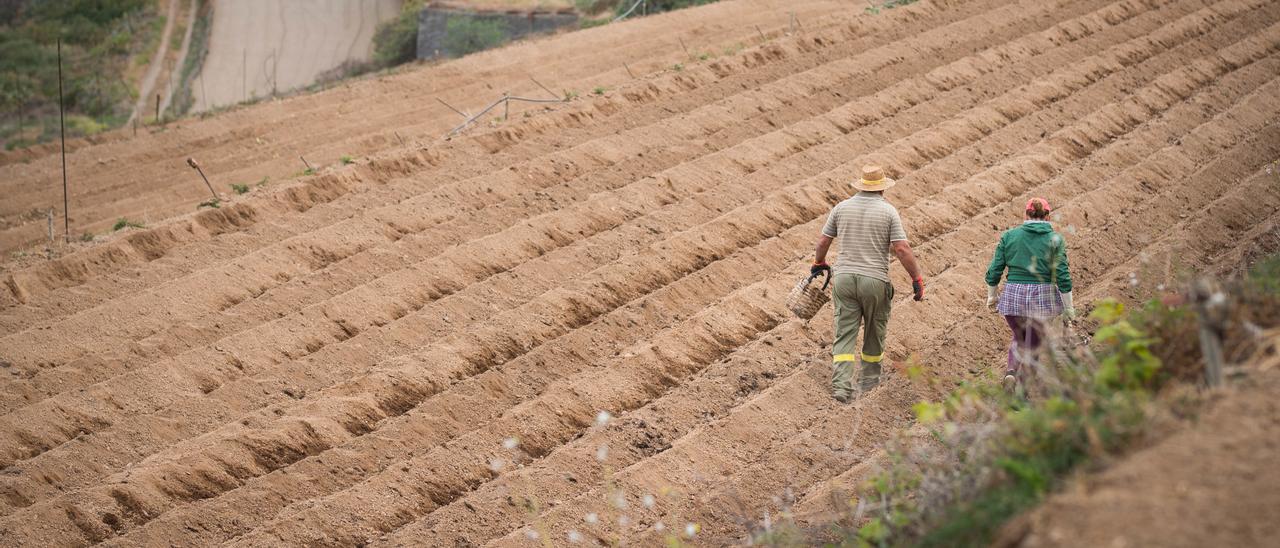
305, 163
157, 108
17, 89
244, 76
506, 106
62, 130
544, 88
460, 113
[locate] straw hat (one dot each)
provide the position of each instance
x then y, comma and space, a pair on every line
873, 180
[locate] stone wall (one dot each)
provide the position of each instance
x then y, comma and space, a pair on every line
433, 22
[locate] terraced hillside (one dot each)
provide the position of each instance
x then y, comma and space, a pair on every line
414, 349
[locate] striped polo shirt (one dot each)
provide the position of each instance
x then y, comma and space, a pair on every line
864, 225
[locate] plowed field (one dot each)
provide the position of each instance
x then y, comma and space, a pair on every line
414, 349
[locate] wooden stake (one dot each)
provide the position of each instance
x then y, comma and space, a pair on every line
632, 74
192, 162
686, 50
506, 106
397, 137
304, 162
762, 38
48, 251
157, 108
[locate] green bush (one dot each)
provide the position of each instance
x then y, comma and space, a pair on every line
239, 189
658, 6
465, 35
396, 41
123, 223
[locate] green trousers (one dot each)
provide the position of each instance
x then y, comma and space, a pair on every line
859, 301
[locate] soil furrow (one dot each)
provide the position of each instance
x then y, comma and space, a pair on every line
187, 334
323, 512
716, 495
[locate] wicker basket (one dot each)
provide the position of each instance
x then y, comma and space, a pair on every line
807, 297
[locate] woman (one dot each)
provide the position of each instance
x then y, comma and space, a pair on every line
1038, 287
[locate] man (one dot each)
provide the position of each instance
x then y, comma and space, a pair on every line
869, 228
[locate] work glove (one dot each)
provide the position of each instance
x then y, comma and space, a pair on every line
917, 287
819, 268
992, 299
1068, 309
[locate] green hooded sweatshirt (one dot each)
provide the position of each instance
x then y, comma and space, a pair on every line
1034, 254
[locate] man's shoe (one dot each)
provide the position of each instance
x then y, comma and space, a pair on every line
1010, 383
842, 398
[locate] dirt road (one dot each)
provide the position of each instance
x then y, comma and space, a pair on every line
415, 349
257, 47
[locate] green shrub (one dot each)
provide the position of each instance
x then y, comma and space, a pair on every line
396, 41
346, 160
213, 204
657, 6
239, 189
599, 90
123, 223
465, 35
86, 237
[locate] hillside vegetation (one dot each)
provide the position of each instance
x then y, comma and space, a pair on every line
101, 40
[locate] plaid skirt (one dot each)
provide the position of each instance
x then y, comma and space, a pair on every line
1040, 301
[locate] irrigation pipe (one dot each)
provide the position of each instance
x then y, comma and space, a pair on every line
504, 99
628, 12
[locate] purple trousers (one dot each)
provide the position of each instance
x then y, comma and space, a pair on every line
1027, 335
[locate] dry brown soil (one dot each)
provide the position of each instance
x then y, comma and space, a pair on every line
414, 349
1215, 483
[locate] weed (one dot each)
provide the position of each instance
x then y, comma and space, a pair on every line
888, 4
678, 67
599, 90
264, 181
308, 171
570, 95
86, 237
123, 223
240, 189
346, 160
704, 56
214, 203
464, 35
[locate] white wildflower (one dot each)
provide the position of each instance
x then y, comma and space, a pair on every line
510, 443
575, 537
624, 521
602, 452
533, 535
648, 501
592, 518
602, 418
619, 500
691, 529
659, 527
